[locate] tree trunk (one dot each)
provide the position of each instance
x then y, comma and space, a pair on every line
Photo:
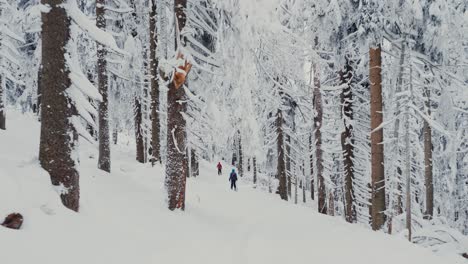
254, 167
288, 163
281, 165
58, 136
155, 119
140, 145
104, 162
377, 148
318, 116
347, 141
39, 92
311, 157
194, 163
115, 135
427, 130
241, 165
2, 106
176, 134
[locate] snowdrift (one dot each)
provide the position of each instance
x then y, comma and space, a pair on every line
123, 218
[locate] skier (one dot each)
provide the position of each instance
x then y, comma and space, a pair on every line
220, 168
233, 179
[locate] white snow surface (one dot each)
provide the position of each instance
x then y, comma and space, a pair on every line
123, 218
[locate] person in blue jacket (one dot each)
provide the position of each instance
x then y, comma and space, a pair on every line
233, 179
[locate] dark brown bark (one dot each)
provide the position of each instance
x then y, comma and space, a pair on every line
347, 141
154, 82
377, 148
104, 162
58, 136
2, 106
176, 134
140, 146
318, 119
428, 177
281, 164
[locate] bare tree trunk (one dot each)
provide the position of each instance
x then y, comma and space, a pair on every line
288, 163
241, 164
347, 141
254, 167
281, 165
2, 106
194, 163
377, 149
39, 92
115, 135
155, 119
295, 189
176, 125
140, 145
104, 162
318, 116
312, 182
427, 130
58, 135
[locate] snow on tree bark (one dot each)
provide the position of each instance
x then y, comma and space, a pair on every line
176, 124
140, 145
2, 106
104, 161
347, 141
154, 81
318, 119
428, 177
58, 135
281, 164
377, 148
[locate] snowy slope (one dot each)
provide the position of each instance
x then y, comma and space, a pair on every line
124, 219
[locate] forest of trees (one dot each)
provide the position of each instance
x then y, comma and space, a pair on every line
358, 105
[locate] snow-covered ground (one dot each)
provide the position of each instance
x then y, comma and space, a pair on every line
123, 218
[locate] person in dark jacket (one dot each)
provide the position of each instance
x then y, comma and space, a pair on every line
233, 179
220, 168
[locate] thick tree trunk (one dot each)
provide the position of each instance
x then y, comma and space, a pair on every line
2, 106
347, 141
318, 116
176, 156
58, 136
140, 145
104, 162
281, 164
176, 135
427, 130
377, 148
155, 119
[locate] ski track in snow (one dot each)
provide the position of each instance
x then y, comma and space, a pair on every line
123, 218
